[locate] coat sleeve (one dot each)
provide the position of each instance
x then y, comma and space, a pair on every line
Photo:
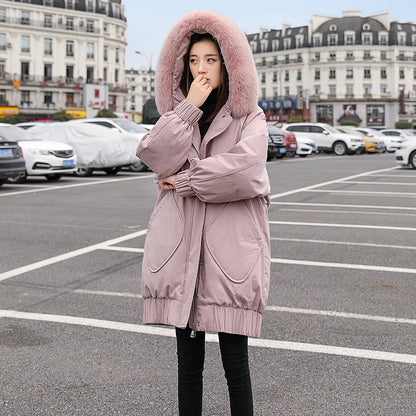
237, 174
166, 147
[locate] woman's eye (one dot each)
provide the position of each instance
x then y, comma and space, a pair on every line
192, 61
211, 60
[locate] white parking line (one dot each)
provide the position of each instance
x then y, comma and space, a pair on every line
318, 185
394, 175
344, 265
254, 342
69, 255
317, 204
118, 248
327, 211
323, 224
380, 183
339, 191
342, 243
60, 187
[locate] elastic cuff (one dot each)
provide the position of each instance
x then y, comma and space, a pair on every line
183, 184
188, 112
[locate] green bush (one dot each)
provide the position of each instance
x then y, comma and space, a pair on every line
349, 123
293, 120
13, 119
402, 125
61, 116
105, 112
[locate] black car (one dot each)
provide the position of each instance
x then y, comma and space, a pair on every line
12, 163
277, 144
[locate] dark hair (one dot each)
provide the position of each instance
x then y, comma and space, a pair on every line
187, 78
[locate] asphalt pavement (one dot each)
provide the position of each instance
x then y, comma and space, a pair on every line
338, 336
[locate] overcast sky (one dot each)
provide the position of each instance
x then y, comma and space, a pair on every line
149, 21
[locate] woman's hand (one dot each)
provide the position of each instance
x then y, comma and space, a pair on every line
199, 91
168, 183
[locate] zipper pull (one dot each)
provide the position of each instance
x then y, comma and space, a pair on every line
193, 332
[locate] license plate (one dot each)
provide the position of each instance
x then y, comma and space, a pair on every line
314, 149
67, 163
378, 147
282, 150
292, 145
6, 153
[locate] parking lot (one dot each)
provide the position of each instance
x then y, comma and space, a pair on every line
338, 335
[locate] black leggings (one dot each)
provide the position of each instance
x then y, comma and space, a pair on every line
234, 354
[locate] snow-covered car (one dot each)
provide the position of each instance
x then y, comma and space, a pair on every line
123, 127
326, 137
406, 154
42, 158
96, 147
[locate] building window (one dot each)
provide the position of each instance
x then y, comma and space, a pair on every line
90, 6
105, 27
383, 73
69, 101
402, 40
317, 74
2, 41
367, 55
332, 73
47, 46
299, 42
316, 89
413, 40
275, 61
275, 76
317, 56
69, 4
116, 12
69, 23
414, 73
69, 74
47, 20
116, 75
287, 43
263, 46
287, 59
383, 55
299, 75
375, 115
263, 77
274, 93
332, 56
25, 44
24, 70
69, 48
48, 2
90, 75
25, 18
332, 40
350, 73
275, 45
117, 55
286, 75
367, 89
2, 15
90, 26
332, 90
366, 39
383, 89
104, 74
367, 73
350, 89
401, 73
349, 39
47, 98
317, 41
383, 40
263, 93
90, 50
105, 54
47, 72
287, 92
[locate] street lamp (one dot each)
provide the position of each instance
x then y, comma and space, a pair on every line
149, 61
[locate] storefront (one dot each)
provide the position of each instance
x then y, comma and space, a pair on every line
281, 110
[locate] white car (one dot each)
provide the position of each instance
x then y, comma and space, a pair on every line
326, 137
391, 143
406, 154
122, 127
305, 147
51, 159
401, 133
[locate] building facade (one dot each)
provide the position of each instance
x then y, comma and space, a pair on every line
49, 49
140, 86
354, 67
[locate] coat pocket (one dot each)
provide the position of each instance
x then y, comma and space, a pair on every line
234, 242
165, 232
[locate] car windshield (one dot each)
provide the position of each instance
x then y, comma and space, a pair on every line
274, 130
130, 126
408, 132
331, 129
376, 133
15, 133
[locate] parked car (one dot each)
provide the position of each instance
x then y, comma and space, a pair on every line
391, 143
326, 137
42, 158
291, 143
277, 144
371, 144
406, 154
305, 147
120, 126
12, 164
404, 134
96, 147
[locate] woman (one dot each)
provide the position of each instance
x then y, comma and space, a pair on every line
206, 263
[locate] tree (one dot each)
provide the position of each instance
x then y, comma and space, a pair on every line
61, 116
13, 119
105, 112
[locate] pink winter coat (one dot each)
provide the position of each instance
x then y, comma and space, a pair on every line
207, 252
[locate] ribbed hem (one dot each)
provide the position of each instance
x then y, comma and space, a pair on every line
230, 320
183, 184
162, 311
188, 112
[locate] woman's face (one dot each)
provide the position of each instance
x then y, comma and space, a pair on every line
205, 60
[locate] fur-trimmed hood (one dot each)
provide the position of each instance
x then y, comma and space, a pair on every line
243, 93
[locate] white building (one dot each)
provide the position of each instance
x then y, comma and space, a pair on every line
352, 67
50, 48
140, 86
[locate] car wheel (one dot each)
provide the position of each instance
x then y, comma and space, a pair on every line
84, 172
18, 179
412, 159
2, 181
291, 154
139, 166
112, 171
54, 176
303, 155
339, 148
359, 151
